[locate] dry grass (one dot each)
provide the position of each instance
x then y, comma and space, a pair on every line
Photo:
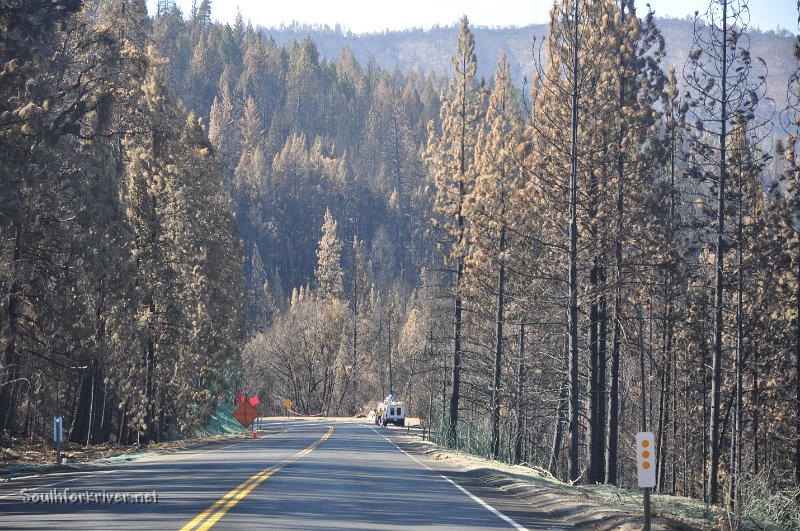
26, 452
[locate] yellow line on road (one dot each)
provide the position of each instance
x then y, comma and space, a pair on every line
209, 517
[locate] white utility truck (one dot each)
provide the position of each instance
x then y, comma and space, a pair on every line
393, 412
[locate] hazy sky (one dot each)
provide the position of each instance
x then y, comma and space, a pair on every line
362, 16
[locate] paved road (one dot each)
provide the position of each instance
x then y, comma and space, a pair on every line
299, 475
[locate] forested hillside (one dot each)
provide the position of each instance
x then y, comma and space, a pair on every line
321, 157
569, 286
539, 270
299, 134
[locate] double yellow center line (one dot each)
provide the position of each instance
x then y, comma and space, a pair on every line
209, 517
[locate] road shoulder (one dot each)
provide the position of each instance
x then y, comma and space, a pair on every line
599, 507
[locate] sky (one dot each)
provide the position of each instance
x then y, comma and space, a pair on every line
369, 16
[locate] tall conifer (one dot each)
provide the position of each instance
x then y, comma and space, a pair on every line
449, 156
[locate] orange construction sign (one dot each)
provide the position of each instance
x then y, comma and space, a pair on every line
245, 414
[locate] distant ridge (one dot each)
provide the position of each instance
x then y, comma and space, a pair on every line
430, 50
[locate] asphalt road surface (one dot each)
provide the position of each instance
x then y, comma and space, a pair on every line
299, 474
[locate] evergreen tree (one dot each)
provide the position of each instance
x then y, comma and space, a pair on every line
222, 130
489, 214
128, 18
630, 161
449, 157
720, 77
559, 168
329, 274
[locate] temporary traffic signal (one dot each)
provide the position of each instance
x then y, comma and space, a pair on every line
646, 459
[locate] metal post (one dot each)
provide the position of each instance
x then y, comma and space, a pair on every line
430, 414
58, 435
640, 314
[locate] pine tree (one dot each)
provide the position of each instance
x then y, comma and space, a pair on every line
329, 274
489, 214
203, 15
222, 130
449, 157
672, 255
720, 77
56, 187
128, 18
745, 164
216, 313
631, 162
170, 35
555, 164
302, 88
203, 71
258, 301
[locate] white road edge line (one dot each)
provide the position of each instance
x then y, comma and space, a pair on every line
474, 498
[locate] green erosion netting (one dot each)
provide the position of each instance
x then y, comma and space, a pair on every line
222, 422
